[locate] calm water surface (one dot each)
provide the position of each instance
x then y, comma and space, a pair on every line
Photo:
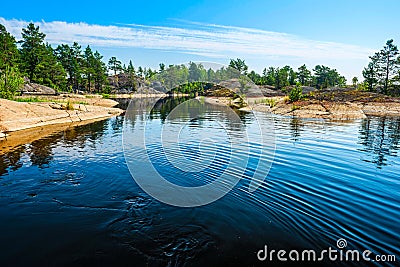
69, 199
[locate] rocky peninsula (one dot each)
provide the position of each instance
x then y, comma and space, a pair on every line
50, 110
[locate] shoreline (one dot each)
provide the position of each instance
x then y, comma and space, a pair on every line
315, 109
332, 110
29, 135
17, 116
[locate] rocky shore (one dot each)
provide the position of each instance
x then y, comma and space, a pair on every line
338, 104
17, 116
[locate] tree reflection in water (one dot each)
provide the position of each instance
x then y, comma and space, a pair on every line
296, 126
40, 152
380, 138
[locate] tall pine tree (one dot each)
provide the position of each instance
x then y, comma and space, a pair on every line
32, 49
9, 54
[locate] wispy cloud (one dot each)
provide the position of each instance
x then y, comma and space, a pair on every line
213, 41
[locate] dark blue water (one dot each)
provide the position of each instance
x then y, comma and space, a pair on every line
69, 199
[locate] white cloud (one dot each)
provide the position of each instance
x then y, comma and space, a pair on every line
194, 38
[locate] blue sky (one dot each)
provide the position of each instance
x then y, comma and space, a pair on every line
340, 34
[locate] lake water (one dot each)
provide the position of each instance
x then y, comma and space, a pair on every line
69, 198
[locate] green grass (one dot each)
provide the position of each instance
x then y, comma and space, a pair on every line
268, 101
30, 99
294, 107
35, 99
69, 106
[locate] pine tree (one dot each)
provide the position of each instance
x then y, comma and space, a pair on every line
239, 65
304, 75
50, 71
130, 68
100, 71
10, 82
383, 69
10, 77
77, 63
370, 74
140, 71
9, 53
32, 49
89, 64
115, 65
388, 64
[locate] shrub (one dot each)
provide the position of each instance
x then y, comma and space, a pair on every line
296, 93
10, 82
69, 106
294, 107
270, 102
286, 99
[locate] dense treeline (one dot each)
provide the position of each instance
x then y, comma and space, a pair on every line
72, 68
64, 68
323, 77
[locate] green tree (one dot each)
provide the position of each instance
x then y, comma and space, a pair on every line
77, 63
64, 56
304, 75
355, 81
131, 68
32, 49
296, 93
10, 77
114, 64
239, 65
196, 72
256, 78
321, 73
281, 77
370, 74
140, 71
211, 76
387, 65
10, 82
269, 76
89, 64
326, 77
49, 71
100, 71
292, 76
72, 60
162, 66
9, 54
148, 73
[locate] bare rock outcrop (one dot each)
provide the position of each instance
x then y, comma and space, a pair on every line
21, 115
37, 89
